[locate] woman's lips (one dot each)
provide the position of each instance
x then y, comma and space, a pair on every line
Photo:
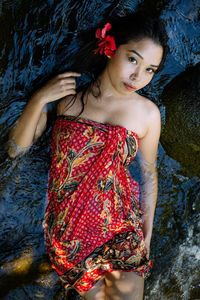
129, 87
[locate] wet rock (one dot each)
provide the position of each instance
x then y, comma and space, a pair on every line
195, 289
181, 135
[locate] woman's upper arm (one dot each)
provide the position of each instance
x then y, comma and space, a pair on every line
148, 145
41, 126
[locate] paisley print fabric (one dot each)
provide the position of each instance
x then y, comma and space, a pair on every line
93, 221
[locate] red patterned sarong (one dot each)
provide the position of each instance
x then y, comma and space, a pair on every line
93, 222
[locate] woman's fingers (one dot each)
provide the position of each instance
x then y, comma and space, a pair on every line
71, 92
67, 79
69, 86
65, 85
68, 74
60, 86
70, 81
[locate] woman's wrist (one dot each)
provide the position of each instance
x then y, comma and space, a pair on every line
147, 231
38, 99
147, 237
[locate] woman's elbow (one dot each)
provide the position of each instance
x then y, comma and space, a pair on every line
14, 150
11, 153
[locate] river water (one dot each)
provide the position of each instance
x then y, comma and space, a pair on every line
37, 41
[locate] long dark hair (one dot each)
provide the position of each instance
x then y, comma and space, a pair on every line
125, 29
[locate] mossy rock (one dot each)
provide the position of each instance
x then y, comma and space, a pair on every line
181, 134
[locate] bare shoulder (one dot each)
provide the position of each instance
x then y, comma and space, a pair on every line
151, 122
150, 109
144, 116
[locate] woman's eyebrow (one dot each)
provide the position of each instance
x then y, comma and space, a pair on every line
138, 54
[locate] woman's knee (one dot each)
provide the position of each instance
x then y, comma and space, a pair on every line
97, 292
124, 285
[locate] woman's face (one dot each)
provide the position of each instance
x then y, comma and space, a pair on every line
133, 65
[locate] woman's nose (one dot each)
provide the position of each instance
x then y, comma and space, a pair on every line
136, 75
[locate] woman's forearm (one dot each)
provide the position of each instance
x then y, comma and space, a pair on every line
149, 190
24, 130
149, 198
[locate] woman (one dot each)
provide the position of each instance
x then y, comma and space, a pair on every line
97, 237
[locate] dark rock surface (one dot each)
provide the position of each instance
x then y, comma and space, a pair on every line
181, 135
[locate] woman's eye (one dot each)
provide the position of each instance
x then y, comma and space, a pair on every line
132, 59
150, 70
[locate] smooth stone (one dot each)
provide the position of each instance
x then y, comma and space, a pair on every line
181, 134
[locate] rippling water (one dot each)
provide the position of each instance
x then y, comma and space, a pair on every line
36, 41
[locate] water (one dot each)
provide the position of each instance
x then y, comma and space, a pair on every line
37, 41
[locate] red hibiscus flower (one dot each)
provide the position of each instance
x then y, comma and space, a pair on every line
106, 44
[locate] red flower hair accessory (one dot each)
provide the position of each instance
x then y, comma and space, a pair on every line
106, 44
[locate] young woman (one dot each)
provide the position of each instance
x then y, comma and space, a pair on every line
97, 237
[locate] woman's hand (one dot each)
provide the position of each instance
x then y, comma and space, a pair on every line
147, 241
60, 86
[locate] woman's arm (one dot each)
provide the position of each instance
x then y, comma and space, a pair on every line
24, 130
147, 154
32, 122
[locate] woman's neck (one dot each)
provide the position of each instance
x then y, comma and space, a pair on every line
107, 89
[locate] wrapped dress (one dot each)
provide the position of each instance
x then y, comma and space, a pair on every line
93, 221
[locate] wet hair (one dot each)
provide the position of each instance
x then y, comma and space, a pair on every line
124, 30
